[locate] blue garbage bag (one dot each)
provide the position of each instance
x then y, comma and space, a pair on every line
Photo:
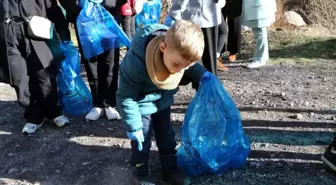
98, 31
149, 15
74, 96
213, 140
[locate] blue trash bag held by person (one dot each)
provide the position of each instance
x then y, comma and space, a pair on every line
213, 140
150, 14
74, 96
97, 29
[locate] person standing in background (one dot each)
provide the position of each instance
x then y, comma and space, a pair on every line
102, 70
128, 18
258, 15
207, 15
232, 12
29, 62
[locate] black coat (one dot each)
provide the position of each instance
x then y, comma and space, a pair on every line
47, 51
233, 8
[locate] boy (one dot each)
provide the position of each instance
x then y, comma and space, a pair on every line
149, 76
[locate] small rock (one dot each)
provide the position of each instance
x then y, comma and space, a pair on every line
323, 171
253, 103
13, 170
283, 94
58, 171
334, 118
311, 114
110, 129
68, 133
294, 18
85, 163
24, 170
306, 104
91, 135
298, 116
292, 104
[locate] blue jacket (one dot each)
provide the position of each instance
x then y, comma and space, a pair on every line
137, 95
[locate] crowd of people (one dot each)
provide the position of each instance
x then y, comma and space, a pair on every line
159, 59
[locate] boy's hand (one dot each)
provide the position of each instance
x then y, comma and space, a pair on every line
137, 136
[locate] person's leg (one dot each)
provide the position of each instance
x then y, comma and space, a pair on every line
132, 25
108, 68
329, 156
222, 37
126, 25
209, 58
91, 67
140, 158
165, 141
234, 37
261, 55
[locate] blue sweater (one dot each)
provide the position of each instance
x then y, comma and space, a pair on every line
137, 95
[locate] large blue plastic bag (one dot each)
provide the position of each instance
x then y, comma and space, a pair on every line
213, 140
98, 31
150, 14
74, 96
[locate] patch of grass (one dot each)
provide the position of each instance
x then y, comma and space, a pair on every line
289, 47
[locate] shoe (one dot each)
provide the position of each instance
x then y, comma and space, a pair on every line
220, 65
61, 120
255, 64
141, 170
94, 114
232, 58
175, 176
329, 157
31, 128
112, 113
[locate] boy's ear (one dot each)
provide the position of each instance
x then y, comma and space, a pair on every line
163, 46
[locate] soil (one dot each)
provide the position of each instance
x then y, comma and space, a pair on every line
288, 111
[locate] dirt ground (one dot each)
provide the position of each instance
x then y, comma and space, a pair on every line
288, 110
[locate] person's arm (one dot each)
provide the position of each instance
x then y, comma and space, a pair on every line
108, 4
55, 15
127, 97
194, 75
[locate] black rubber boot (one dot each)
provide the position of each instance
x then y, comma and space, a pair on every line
171, 173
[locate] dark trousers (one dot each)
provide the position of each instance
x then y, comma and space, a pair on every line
164, 136
102, 73
128, 25
233, 14
34, 85
209, 58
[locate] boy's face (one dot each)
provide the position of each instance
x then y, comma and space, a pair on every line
173, 60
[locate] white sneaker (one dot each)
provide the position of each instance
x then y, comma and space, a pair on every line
30, 128
61, 120
255, 64
94, 114
112, 113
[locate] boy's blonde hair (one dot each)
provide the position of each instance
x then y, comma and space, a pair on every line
187, 38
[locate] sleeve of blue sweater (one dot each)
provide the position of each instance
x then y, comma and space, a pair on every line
127, 95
